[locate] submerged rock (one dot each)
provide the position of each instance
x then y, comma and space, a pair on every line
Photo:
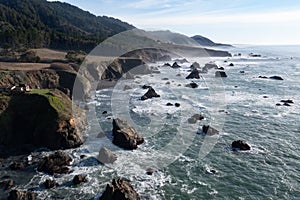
125, 136
231, 65
220, 74
106, 156
195, 118
208, 130
195, 65
241, 145
149, 94
192, 85
56, 163
193, 74
119, 189
21, 195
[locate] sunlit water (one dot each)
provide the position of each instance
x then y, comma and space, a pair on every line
183, 160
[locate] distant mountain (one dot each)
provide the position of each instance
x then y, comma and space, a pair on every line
38, 23
172, 38
203, 41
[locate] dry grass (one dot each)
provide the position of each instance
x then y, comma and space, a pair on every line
48, 54
23, 66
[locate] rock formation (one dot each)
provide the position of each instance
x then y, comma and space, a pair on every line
241, 145
193, 74
149, 94
119, 189
106, 156
56, 163
125, 136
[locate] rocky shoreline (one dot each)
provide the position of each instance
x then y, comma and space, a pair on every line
59, 162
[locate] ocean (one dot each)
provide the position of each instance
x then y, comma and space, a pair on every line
188, 164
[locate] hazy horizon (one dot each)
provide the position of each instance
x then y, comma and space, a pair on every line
238, 22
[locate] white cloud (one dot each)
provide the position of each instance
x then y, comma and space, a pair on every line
270, 17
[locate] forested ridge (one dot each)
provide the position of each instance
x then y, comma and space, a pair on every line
56, 25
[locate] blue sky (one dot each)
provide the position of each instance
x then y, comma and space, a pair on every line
235, 21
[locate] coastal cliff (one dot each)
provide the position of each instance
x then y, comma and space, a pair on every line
39, 118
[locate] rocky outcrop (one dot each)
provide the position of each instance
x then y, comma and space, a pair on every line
220, 74
276, 78
272, 77
240, 145
21, 195
121, 66
80, 178
50, 184
41, 118
175, 65
194, 74
56, 163
125, 136
208, 130
119, 189
46, 79
149, 94
106, 156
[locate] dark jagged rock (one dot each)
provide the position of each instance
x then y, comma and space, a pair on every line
208, 130
149, 94
167, 65
21, 195
286, 104
106, 156
278, 104
125, 136
56, 163
192, 85
220, 68
193, 74
287, 101
104, 112
177, 104
165, 79
169, 104
119, 189
231, 65
276, 78
241, 145
242, 72
80, 178
220, 74
50, 184
175, 65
